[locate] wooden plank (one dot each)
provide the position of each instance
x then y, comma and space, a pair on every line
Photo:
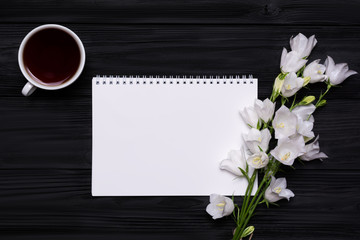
184, 50
46, 194
59, 201
55, 133
267, 12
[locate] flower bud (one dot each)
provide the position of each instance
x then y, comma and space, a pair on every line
249, 230
278, 85
321, 103
307, 100
306, 81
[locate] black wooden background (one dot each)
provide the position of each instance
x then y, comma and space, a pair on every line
45, 150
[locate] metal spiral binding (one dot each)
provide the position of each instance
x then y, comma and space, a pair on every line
172, 80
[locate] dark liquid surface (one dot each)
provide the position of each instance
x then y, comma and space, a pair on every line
51, 57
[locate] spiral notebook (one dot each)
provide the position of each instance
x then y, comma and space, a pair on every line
166, 136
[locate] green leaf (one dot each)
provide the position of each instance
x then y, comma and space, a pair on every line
258, 124
245, 174
300, 72
235, 209
307, 87
300, 161
282, 76
260, 148
275, 204
238, 216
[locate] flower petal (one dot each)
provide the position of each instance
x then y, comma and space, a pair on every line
229, 207
283, 57
304, 111
350, 73
229, 166
284, 123
236, 159
329, 63
280, 182
214, 197
286, 193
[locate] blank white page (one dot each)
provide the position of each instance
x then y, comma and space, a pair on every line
166, 137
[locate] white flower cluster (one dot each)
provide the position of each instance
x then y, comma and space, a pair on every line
293, 61
291, 128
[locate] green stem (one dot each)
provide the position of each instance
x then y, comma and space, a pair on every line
252, 209
245, 217
322, 95
258, 190
293, 105
265, 125
247, 196
248, 210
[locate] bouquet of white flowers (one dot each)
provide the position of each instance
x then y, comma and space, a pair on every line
290, 128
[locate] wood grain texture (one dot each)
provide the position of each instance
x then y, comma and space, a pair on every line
266, 12
59, 201
45, 194
61, 127
185, 50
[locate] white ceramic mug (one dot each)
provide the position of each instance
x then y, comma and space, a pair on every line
32, 83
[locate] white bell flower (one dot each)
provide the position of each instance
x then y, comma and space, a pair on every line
291, 85
305, 112
315, 72
235, 160
255, 139
337, 73
313, 151
302, 44
250, 116
284, 123
289, 149
277, 190
291, 61
305, 128
264, 109
258, 160
219, 206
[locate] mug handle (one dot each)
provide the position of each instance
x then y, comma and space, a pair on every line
28, 89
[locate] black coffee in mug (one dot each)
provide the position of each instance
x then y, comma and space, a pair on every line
51, 56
